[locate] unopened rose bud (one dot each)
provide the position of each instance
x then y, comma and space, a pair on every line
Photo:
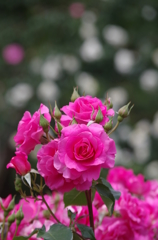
108, 103
57, 114
74, 95
11, 219
108, 126
99, 116
125, 111
18, 184
46, 214
44, 124
19, 216
119, 118
11, 204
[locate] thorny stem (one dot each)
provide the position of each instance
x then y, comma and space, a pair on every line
89, 203
114, 128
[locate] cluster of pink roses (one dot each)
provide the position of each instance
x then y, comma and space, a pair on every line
135, 215
82, 147
72, 160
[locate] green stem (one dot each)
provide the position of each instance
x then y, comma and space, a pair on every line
114, 128
53, 130
15, 231
49, 209
47, 135
6, 234
89, 203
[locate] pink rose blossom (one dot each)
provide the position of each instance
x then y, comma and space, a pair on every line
85, 109
53, 179
20, 163
127, 179
13, 54
135, 211
29, 131
76, 9
82, 152
114, 229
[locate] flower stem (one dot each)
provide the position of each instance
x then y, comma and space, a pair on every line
49, 209
114, 128
16, 231
89, 203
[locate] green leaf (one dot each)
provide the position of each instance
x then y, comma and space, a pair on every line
76, 237
41, 231
56, 232
87, 232
106, 196
104, 173
75, 197
116, 194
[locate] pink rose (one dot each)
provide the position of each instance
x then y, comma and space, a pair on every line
53, 179
135, 211
29, 130
85, 109
20, 163
82, 152
114, 229
128, 180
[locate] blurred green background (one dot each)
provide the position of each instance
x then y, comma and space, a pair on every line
49, 47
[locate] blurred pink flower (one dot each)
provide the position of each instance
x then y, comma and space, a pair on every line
13, 53
114, 228
128, 180
76, 10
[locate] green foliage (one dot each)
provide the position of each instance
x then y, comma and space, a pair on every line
76, 237
115, 193
86, 231
56, 232
106, 196
75, 197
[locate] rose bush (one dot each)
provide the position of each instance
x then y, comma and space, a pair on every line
134, 218
72, 161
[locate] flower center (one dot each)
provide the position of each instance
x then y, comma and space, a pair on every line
83, 150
